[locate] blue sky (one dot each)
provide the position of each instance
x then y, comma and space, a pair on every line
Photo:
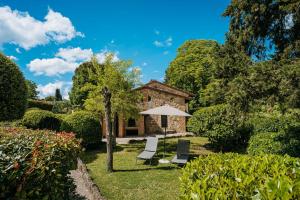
49, 38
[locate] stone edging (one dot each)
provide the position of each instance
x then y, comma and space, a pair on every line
92, 187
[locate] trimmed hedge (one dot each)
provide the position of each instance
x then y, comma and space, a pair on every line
234, 176
276, 135
13, 90
36, 164
225, 130
86, 126
42, 104
41, 119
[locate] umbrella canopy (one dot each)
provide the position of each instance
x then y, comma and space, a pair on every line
165, 110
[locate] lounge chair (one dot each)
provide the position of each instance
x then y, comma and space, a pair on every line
150, 149
182, 156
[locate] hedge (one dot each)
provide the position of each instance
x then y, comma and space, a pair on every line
36, 164
225, 130
276, 135
42, 104
41, 119
13, 90
234, 176
86, 126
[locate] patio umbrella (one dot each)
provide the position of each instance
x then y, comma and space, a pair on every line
165, 111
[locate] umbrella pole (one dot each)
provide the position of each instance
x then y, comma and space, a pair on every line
165, 141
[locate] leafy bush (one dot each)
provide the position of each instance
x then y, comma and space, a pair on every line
36, 164
62, 107
42, 104
234, 176
225, 130
276, 135
41, 119
13, 90
86, 126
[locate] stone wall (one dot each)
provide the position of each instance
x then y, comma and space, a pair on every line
155, 98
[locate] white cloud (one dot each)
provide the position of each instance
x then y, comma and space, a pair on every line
49, 89
51, 66
166, 52
103, 54
158, 43
74, 54
21, 29
144, 64
157, 32
65, 60
13, 58
166, 43
18, 50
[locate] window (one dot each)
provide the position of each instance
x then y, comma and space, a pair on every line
149, 98
131, 123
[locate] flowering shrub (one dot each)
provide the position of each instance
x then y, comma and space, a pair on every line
233, 176
35, 164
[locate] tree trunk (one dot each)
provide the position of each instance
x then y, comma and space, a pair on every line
107, 105
114, 129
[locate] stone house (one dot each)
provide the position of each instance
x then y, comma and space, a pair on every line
155, 94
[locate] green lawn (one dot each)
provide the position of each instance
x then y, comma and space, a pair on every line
139, 181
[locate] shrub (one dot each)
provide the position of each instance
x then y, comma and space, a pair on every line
224, 129
13, 90
86, 126
276, 135
42, 104
204, 119
62, 107
234, 176
41, 119
36, 164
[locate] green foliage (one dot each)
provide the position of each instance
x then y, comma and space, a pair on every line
32, 89
204, 119
36, 164
41, 119
233, 176
58, 96
50, 98
275, 134
224, 128
192, 68
81, 77
120, 80
261, 27
86, 126
13, 90
62, 107
42, 104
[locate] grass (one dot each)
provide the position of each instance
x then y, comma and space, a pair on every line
140, 181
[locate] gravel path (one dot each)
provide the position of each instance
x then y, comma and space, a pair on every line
85, 188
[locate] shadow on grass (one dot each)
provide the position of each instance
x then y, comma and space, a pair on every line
148, 169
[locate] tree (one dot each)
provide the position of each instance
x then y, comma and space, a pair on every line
260, 27
191, 70
229, 63
50, 98
110, 93
13, 90
81, 77
32, 89
58, 96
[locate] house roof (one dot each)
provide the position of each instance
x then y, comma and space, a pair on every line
148, 85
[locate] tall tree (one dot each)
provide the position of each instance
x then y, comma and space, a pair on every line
58, 96
191, 70
81, 77
116, 79
32, 89
263, 27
